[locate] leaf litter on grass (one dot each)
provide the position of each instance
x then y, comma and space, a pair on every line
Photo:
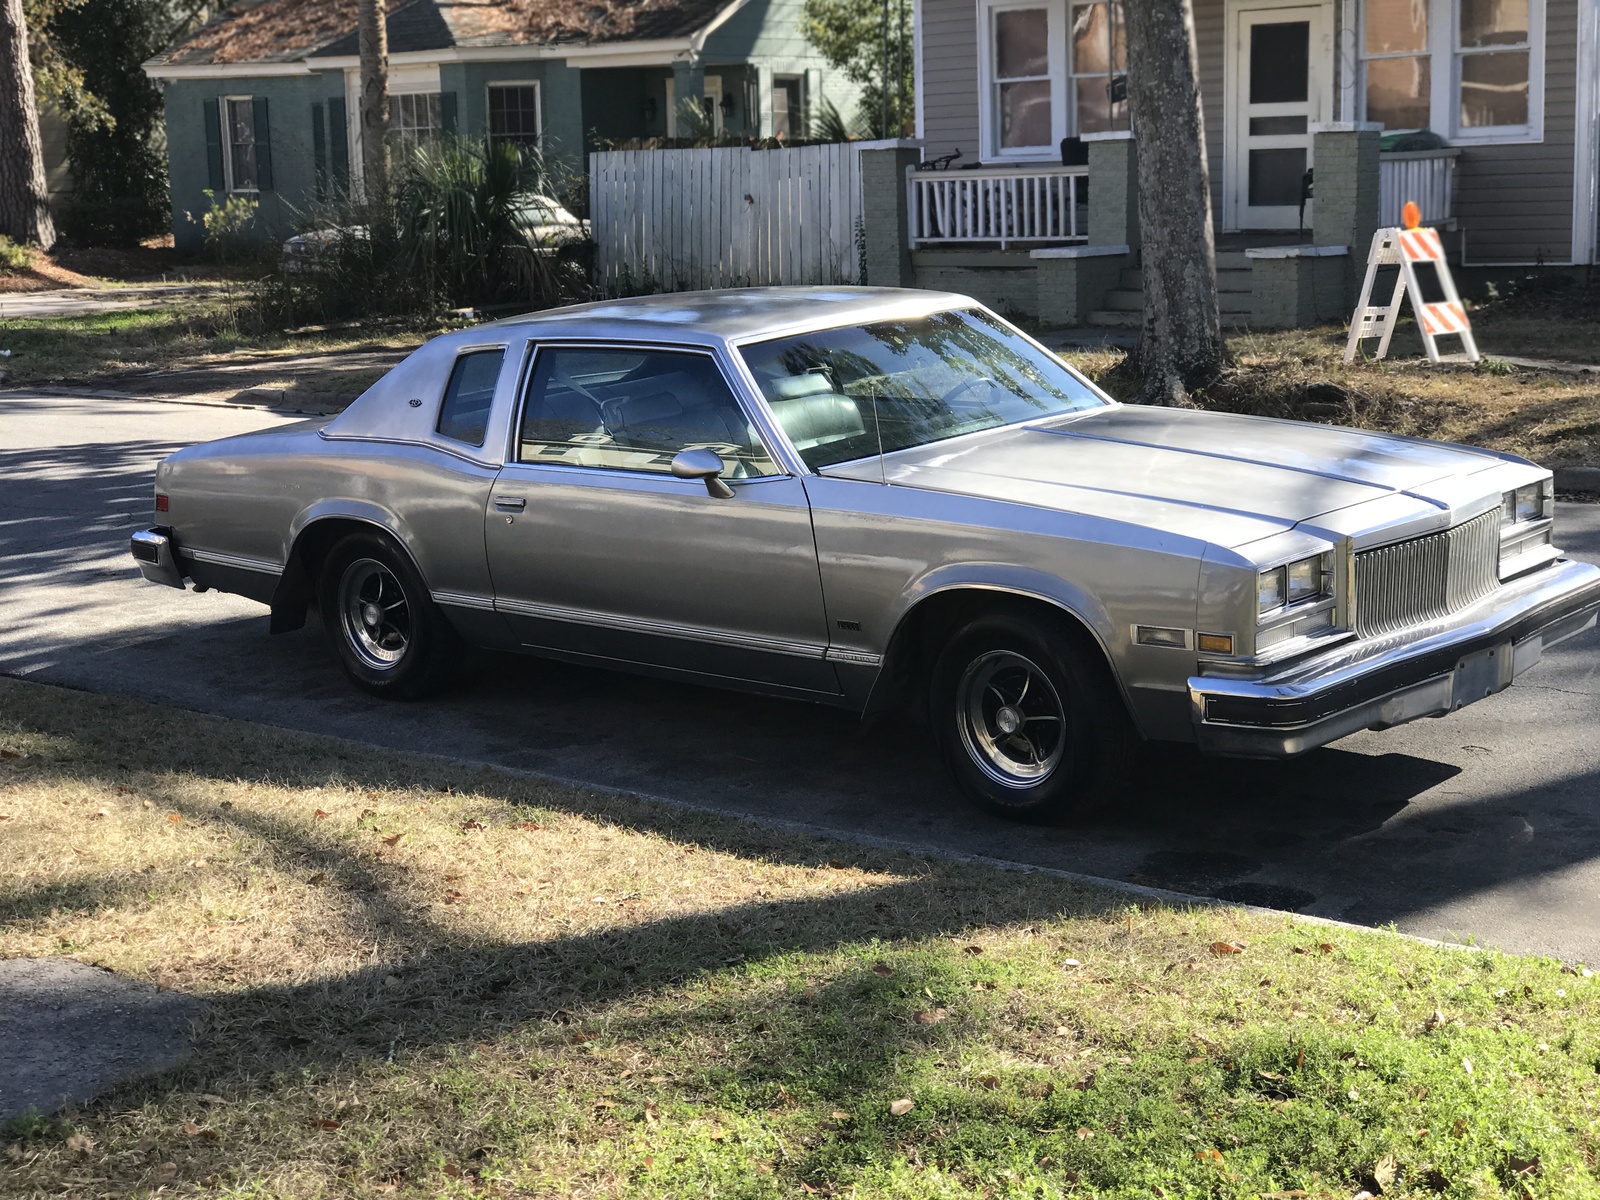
753, 1021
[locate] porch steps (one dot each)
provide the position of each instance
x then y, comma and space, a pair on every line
1124, 304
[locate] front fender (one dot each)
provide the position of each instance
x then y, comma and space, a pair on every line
899, 669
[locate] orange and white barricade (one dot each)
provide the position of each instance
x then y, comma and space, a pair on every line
1425, 274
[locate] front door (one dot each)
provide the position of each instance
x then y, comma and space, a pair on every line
1281, 67
597, 551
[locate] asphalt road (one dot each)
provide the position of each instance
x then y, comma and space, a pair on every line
1485, 825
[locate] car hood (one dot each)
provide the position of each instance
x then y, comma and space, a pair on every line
1217, 477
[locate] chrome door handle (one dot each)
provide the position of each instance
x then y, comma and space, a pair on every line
510, 503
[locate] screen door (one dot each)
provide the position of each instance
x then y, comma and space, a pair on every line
1282, 86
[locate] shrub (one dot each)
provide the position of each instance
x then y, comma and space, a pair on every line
455, 230
14, 256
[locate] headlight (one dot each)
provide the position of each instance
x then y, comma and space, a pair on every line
1527, 503
1296, 582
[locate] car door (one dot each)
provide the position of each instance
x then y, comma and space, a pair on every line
597, 551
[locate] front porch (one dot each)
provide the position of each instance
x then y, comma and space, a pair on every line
1061, 244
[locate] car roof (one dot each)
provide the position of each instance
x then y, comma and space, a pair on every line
729, 314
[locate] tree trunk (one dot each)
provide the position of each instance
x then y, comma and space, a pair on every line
24, 196
1181, 345
373, 45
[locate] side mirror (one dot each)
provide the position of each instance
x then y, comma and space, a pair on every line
705, 465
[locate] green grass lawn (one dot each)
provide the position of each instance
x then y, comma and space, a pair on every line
427, 979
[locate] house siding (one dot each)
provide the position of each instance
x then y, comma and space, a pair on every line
770, 35
949, 80
1210, 36
560, 101
1513, 201
289, 103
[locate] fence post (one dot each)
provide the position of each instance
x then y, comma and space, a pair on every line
1113, 190
885, 215
1344, 211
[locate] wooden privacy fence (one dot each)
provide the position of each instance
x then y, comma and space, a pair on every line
726, 216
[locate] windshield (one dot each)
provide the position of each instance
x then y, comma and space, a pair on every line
842, 394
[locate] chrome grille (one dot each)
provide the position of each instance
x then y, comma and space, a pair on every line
1427, 577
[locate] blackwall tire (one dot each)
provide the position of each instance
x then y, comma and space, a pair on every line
390, 637
1029, 721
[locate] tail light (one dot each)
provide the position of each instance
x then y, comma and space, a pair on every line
161, 502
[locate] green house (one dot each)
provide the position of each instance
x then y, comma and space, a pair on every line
262, 101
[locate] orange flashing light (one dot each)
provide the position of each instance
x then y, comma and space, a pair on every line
1411, 215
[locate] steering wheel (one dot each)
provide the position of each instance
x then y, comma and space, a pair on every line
966, 385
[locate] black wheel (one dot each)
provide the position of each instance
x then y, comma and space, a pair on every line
1030, 723
391, 638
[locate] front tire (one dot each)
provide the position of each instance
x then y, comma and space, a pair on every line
390, 637
1030, 724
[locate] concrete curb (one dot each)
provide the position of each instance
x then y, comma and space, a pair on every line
845, 836
281, 400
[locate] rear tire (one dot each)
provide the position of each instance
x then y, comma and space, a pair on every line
391, 638
1030, 723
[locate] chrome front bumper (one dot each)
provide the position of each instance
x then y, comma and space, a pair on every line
1422, 673
156, 552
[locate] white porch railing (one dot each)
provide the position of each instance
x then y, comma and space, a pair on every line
1426, 176
998, 204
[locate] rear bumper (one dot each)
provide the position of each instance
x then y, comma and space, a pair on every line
156, 552
1421, 674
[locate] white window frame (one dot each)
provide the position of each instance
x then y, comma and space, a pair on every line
538, 106
437, 109
1445, 55
796, 115
227, 146
1074, 126
1056, 72
1533, 131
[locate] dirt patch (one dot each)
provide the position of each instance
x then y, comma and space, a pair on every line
1550, 414
43, 276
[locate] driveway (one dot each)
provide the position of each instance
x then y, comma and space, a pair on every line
1484, 825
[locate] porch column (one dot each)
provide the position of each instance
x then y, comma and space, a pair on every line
764, 100
1345, 208
688, 79
1113, 190
885, 212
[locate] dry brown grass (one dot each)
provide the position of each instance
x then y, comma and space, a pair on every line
1552, 417
428, 979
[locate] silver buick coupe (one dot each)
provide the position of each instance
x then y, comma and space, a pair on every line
883, 499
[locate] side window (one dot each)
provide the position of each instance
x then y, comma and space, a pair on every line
464, 415
633, 410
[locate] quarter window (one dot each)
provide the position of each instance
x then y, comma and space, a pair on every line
464, 413
239, 134
514, 114
633, 410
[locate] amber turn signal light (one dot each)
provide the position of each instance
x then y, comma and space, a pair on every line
1214, 643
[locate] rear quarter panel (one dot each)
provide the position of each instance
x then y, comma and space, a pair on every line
251, 497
